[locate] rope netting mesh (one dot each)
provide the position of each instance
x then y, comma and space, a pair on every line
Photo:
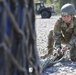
18, 52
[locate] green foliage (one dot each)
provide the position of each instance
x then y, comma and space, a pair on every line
48, 2
58, 3
36, 0
57, 7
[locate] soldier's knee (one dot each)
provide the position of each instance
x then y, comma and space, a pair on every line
50, 38
50, 34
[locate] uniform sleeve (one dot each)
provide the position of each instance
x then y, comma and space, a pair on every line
72, 41
57, 34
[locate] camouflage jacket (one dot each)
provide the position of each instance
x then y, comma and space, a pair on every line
68, 31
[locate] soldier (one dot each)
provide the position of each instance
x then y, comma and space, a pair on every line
64, 32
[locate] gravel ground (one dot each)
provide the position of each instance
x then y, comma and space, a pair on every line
43, 26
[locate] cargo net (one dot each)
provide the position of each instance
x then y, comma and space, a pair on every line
18, 52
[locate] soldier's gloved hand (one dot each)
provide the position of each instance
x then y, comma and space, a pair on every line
65, 48
59, 51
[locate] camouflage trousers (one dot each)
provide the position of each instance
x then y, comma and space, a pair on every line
51, 46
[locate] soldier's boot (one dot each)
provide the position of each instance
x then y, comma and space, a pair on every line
50, 44
73, 54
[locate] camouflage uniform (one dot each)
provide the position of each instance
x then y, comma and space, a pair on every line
63, 33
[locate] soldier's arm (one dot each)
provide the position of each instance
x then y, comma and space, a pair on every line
57, 34
72, 41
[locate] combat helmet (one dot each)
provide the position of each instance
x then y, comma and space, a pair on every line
68, 9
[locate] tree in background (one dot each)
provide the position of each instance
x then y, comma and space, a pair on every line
62, 2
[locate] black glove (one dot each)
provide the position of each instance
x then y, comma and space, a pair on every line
59, 51
65, 48
58, 55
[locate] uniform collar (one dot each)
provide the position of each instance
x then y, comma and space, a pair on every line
71, 25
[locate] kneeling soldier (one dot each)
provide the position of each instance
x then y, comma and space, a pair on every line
64, 32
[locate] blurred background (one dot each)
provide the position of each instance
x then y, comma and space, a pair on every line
57, 3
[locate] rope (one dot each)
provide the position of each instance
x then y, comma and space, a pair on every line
19, 46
